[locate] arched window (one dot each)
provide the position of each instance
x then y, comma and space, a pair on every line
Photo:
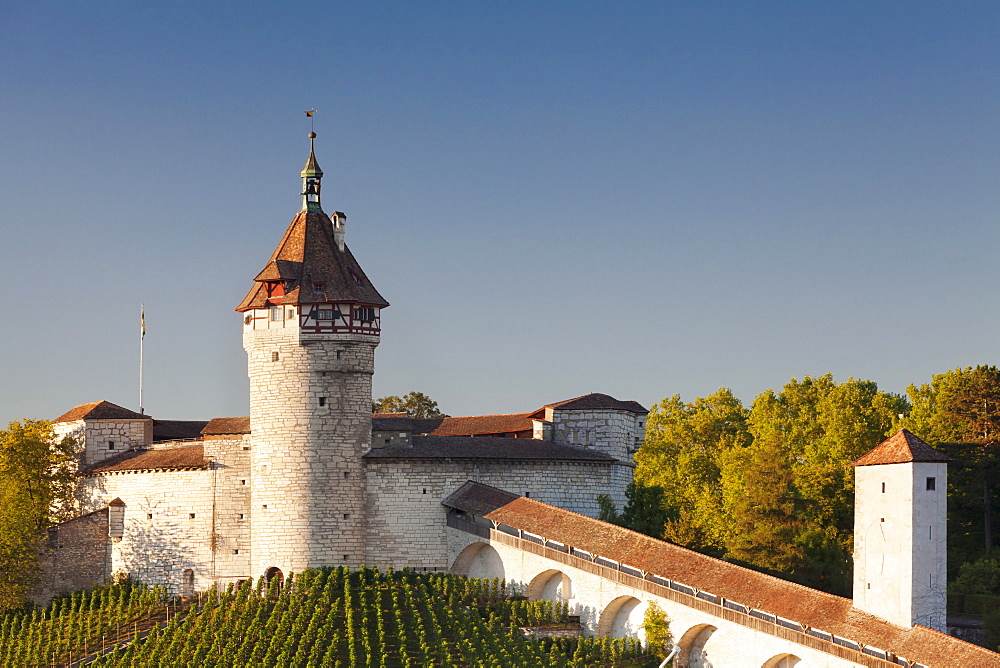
187, 582
274, 573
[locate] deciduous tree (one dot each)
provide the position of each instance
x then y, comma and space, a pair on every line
36, 490
414, 404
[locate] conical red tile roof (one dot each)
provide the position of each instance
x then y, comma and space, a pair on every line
900, 448
306, 256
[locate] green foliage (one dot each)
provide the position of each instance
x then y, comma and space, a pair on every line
981, 576
414, 404
768, 486
657, 629
327, 617
959, 412
644, 511
36, 490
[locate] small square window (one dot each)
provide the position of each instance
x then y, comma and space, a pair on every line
191, 515
149, 516
931, 484
347, 516
242, 516
319, 287
246, 447
881, 519
243, 482
322, 401
347, 474
275, 356
527, 495
345, 557
883, 488
111, 445
236, 551
276, 313
425, 491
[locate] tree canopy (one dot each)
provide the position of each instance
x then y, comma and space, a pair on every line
414, 404
768, 486
36, 490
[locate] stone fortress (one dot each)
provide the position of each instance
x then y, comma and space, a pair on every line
312, 478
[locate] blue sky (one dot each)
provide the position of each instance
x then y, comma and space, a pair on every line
557, 198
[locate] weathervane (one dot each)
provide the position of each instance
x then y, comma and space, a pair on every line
312, 121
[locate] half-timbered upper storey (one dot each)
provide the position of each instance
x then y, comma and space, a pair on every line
312, 280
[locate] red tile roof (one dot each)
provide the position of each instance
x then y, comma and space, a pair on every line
487, 447
900, 448
483, 424
227, 425
817, 609
100, 410
306, 255
181, 457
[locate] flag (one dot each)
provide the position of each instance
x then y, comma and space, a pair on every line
310, 113
142, 320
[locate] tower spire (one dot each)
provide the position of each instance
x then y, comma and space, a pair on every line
311, 177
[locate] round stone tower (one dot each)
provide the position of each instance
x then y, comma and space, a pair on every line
311, 323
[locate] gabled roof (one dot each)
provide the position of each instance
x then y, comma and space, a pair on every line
227, 425
814, 608
177, 458
100, 410
900, 448
307, 255
594, 402
487, 447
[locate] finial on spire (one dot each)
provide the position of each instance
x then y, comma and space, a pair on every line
311, 174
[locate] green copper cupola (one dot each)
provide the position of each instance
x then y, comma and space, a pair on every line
311, 177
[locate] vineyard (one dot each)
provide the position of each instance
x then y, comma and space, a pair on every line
324, 617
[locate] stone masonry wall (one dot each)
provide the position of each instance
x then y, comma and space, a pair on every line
406, 521
75, 555
170, 525
615, 433
310, 417
98, 440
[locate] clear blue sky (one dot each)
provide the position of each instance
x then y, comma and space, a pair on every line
557, 198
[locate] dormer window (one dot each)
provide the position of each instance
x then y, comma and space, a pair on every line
289, 285
319, 286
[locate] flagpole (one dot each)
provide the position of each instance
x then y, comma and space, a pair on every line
142, 335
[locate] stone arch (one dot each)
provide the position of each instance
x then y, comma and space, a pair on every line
187, 582
692, 645
479, 560
615, 620
550, 585
274, 572
782, 661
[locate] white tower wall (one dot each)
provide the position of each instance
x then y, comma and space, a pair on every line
310, 420
900, 542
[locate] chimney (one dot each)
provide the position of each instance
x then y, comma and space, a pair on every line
339, 220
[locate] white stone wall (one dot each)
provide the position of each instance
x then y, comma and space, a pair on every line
231, 500
900, 543
604, 605
407, 523
161, 538
98, 440
616, 433
310, 418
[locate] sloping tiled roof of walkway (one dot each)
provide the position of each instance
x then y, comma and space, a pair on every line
817, 609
